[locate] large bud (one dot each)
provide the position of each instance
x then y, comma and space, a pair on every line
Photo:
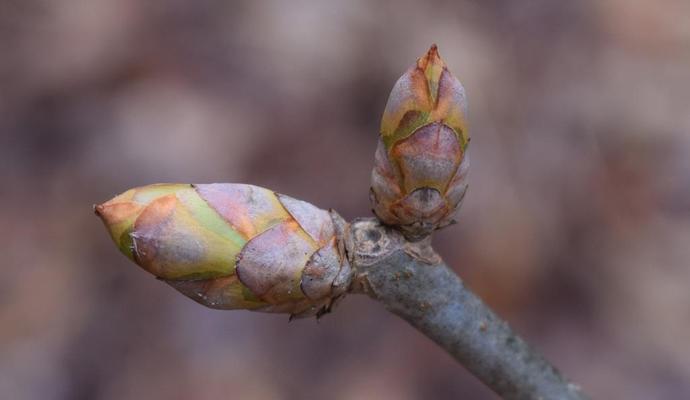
233, 246
420, 171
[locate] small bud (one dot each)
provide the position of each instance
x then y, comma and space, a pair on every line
233, 246
420, 167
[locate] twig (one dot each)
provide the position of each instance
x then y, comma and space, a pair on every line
413, 282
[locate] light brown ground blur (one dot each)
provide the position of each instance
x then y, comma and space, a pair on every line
576, 226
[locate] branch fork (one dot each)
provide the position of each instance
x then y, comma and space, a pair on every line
239, 246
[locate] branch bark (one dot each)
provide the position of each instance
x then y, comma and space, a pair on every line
413, 282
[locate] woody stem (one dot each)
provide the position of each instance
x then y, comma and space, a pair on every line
413, 282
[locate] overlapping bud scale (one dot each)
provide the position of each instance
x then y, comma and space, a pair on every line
419, 176
233, 246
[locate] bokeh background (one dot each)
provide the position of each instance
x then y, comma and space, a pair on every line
576, 227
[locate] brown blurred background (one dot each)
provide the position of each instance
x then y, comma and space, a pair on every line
576, 227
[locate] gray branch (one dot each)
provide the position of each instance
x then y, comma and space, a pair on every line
413, 282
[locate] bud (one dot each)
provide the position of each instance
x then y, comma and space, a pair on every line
420, 167
233, 246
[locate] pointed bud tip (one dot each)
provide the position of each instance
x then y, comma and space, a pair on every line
430, 58
102, 211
